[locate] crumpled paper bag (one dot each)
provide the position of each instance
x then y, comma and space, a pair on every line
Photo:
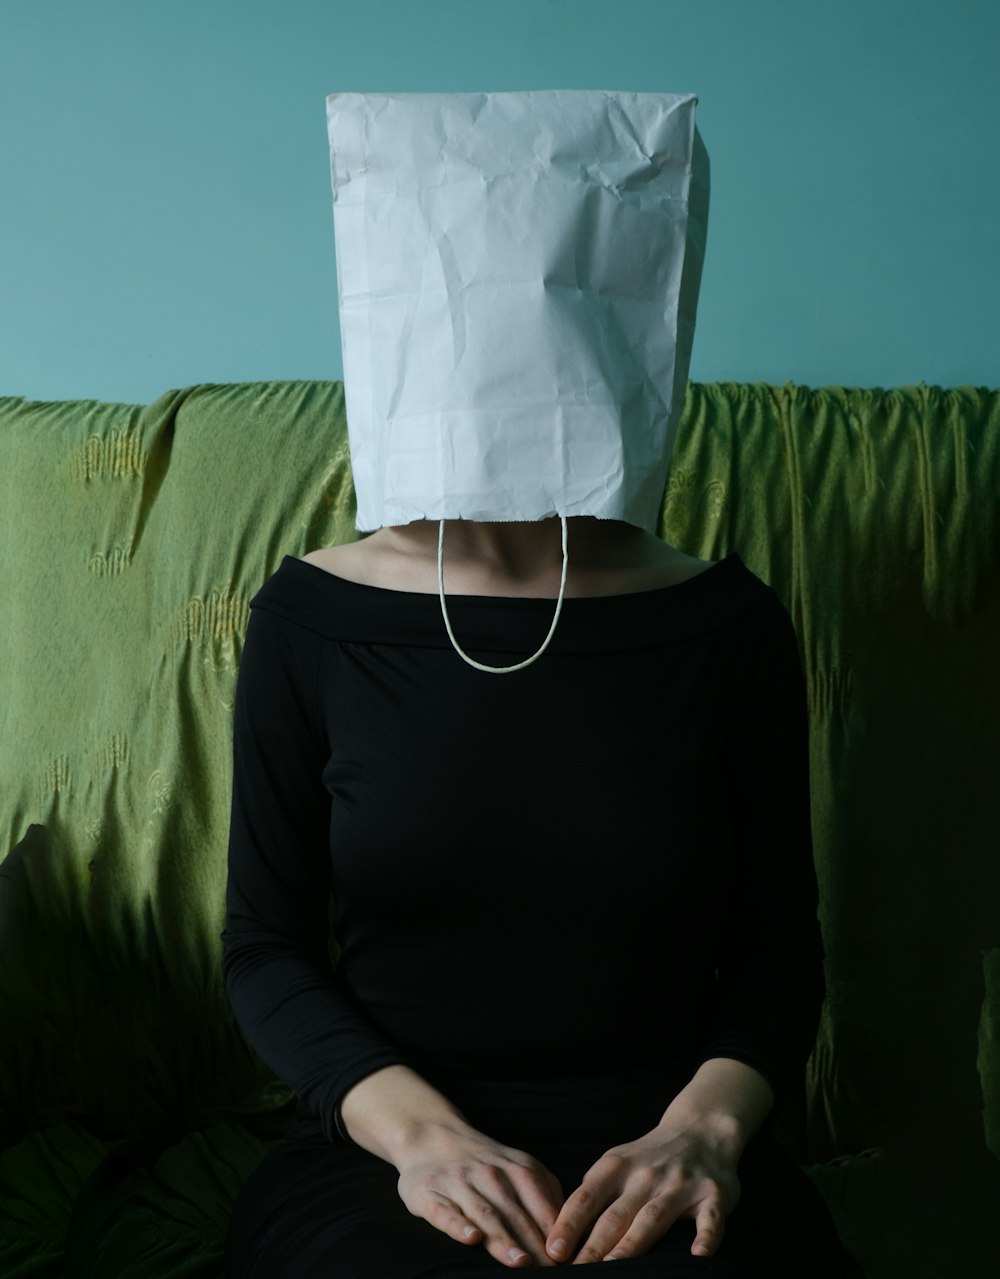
518, 278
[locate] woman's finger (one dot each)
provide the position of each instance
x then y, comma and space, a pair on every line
710, 1222
575, 1217
443, 1215
509, 1234
649, 1224
611, 1226
537, 1196
653, 1221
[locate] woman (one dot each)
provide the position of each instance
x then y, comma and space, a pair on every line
580, 963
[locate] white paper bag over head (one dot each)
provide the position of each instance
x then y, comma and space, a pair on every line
518, 279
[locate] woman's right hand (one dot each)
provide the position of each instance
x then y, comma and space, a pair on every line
477, 1190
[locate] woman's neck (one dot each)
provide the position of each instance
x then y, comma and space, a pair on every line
519, 549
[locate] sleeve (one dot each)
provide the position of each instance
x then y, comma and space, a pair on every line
291, 1005
770, 978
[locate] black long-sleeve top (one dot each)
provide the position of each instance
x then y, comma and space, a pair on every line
602, 861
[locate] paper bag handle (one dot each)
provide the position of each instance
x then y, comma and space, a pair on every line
500, 670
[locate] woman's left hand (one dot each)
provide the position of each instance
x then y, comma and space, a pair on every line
635, 1192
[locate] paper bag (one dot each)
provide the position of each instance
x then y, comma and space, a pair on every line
518, 277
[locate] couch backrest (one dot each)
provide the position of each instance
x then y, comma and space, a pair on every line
133, 538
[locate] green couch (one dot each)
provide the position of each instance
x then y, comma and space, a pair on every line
133, 537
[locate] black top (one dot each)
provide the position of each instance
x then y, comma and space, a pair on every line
598, 863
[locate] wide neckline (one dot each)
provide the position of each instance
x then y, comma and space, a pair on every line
347, 611
346, 582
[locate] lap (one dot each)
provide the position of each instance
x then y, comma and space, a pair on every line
312, 1208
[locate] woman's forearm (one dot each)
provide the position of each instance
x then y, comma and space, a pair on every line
391, 1110
394, 1109
727, 1096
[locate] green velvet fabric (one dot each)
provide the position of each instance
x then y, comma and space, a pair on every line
132, 538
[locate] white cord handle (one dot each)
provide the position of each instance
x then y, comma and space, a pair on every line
500, 670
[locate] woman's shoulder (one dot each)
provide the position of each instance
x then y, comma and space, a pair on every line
353, 561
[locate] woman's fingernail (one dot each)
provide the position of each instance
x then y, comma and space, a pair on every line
557, 1247
516, 1254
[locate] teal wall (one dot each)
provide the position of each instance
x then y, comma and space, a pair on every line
165, 208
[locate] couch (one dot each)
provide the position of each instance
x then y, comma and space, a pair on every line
131, 540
